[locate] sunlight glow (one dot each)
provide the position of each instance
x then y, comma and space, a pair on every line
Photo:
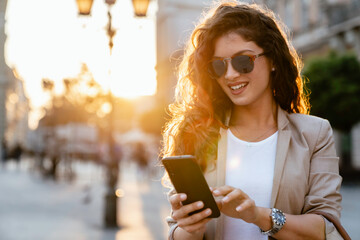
47, 39
120, 193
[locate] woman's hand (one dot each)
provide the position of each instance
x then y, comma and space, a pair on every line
236, 204
194, 224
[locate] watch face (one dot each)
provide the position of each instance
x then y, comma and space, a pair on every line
279, 218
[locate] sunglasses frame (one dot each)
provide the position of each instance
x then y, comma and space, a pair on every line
229, 59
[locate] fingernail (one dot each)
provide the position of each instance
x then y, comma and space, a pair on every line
216, 192
183, 196
225, 199
238, 208
200, 204
211, 188
208, 211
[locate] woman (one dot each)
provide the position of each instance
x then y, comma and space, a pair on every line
241, 110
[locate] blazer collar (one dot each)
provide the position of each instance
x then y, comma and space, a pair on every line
282, 118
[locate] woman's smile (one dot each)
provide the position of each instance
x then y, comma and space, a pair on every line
237, 88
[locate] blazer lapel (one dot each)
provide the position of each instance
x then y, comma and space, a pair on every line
281, 152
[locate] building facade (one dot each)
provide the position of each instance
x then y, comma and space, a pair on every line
320, 25
175, 21
17, 110
14, 107
3, 73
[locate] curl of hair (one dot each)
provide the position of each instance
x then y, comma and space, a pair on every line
201, 106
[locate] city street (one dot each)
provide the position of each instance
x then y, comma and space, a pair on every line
32, 207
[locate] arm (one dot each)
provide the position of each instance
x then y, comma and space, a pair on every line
324, 179
305, 226
237, 204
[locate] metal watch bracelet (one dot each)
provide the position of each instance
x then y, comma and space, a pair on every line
278, 220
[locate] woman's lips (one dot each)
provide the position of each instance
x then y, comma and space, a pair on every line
238, 87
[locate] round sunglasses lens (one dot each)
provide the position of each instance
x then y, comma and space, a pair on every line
242, 64
218, 67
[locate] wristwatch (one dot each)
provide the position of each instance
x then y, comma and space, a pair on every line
278, 219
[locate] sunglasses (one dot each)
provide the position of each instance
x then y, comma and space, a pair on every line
241, 63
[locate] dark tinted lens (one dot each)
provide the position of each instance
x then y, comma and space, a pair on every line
218, 67
242, 64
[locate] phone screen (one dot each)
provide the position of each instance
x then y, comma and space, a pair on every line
186, 176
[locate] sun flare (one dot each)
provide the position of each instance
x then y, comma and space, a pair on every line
47, 39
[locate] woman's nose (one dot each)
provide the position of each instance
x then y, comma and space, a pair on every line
230, 73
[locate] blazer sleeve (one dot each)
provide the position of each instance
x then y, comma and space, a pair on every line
324, 179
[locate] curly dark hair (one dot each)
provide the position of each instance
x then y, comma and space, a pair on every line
201, 106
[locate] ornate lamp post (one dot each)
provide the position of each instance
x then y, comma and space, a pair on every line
84, 6
140, 6
140, 9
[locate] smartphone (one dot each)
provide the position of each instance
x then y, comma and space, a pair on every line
186, 176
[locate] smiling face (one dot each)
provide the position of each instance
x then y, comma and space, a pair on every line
244, 89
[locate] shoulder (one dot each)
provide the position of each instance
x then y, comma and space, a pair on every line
303, 121
304, 117
313, 130
310, 127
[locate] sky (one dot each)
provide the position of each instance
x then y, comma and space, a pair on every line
47, 39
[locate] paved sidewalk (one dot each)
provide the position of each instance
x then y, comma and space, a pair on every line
350, 215
33, 208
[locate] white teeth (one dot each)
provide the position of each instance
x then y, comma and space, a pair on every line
238, 86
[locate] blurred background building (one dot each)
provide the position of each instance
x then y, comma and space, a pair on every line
175, 22
14, 106
3, 73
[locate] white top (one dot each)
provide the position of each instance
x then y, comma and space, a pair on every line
249, 167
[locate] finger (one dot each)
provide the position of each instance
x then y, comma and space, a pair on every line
200, 226
193, 219
219, 203
212, 189
222, 191
186, 209
245, 205
176, 199
235, 194
196, 227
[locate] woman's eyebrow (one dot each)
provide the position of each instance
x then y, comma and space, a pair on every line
238, 53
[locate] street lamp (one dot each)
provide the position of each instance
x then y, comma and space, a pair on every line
84, 6
140, 9
140, 6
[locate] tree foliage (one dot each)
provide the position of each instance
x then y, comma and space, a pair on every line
85, 101
79, 102
334, 84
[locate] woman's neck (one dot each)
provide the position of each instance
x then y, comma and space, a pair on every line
262, 115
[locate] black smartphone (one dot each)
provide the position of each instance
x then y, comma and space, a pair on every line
186, 176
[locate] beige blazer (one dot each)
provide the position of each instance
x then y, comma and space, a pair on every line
306, 174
